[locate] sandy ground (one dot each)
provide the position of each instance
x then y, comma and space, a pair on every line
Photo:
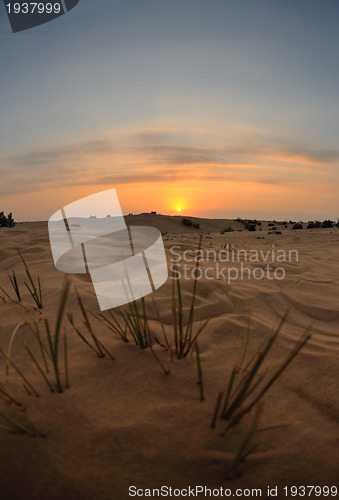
124, 422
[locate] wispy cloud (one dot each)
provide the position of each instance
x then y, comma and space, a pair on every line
165, 156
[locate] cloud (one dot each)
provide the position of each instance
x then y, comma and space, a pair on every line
165, 156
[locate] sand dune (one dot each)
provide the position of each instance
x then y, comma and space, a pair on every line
124, 422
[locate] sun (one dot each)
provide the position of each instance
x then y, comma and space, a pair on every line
179, 209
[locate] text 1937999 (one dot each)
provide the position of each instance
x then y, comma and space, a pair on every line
33, 8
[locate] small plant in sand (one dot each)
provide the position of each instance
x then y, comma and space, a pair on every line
245, 391
94, 343
247, 445
16, 425
14, 283
297, 225
133, 321
11, 415
184, 337
111, 322
33, 288
52, 348
247, 386
228, 229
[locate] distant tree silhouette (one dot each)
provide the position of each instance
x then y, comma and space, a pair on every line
6, 221
327, 223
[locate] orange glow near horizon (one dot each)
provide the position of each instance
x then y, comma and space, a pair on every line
172, 174
197, 199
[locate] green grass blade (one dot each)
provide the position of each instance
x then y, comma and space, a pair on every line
246, 446
159, 361
19, 372
11, 340
229, 390
200, 377
39, 367
16, 426
279, 371
216, 410
15, 285
66, 362
247, 381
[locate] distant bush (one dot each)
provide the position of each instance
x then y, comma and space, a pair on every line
153, 213
189, 223
6, 221
297, 225
251, 227
249, 222
314, 224
242, 221
228, 229
270, 224
327, 223
274, 228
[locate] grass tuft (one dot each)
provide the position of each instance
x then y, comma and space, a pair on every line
34, 290
28, 385
134, 322
54, 339
247, 446
51, 350
246, 387
137, 324
111, 322
15, 426
184, 340
7, 398
15, 286
97, 345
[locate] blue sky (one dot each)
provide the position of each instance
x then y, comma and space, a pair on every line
158, 93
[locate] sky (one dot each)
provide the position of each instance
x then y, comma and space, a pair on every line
224, 108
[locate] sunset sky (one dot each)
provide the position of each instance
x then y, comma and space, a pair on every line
224, 108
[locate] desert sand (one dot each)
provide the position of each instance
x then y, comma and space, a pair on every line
124, 422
